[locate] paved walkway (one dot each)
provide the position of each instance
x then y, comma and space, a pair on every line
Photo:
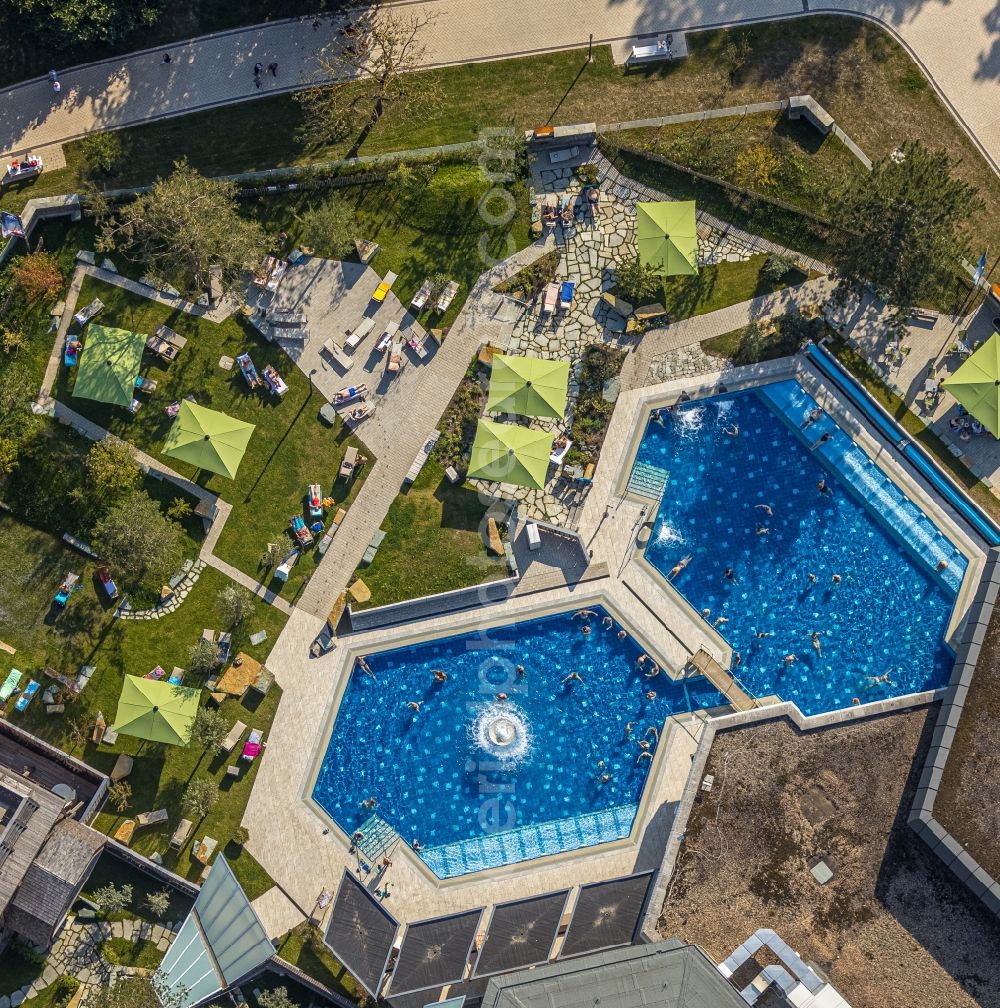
958, 44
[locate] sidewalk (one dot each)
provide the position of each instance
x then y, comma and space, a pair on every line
958, 44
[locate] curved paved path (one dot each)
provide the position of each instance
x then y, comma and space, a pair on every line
957, 41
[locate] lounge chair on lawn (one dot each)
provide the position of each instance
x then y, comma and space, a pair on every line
125, 832
181, 834
302, 534
382, 291
225, 643
85, 315
151, 818
275, 383
235, 734
315, 497
249, 372
253, 745
349, 463
420, 298
10, 684
447, 295
27, 696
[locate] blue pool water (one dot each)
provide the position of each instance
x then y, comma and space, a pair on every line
891, 609
434, 783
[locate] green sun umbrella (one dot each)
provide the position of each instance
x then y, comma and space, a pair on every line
156, 710
976, 384
667, 236
510, 454
109, 365
208, 439
528, 386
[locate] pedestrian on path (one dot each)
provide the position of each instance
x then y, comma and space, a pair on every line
257, 70
273, 69
166, 57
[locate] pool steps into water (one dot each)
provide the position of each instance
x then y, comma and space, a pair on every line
647, 481
528, 842
903, 519
834, 371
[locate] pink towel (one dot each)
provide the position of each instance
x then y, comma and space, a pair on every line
250, 750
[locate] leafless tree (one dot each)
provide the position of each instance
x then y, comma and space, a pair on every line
366, 71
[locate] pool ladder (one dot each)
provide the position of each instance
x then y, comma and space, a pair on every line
647, 481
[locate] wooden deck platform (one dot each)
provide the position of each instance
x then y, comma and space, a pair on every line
721, 679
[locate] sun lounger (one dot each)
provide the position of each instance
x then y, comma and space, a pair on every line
85, 315
338, 518
566, 294
550, 298
383, 344
417, 346
125, 832
248, 371
176, 676
382, 291
349, 463
253, 745
70, 584
300, 531
351, 392
447, 295
275, 383
151, 818
10, 684
362, 411
364, 327
394, 362
109, 586
283, 569
203, 851
559, 451
335, 352
167, 334
314, 497
27, 696
180, 835
225, 643
372, 548
71, 353
420, 298
158, 672
235, 734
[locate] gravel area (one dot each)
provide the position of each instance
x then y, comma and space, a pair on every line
891, 928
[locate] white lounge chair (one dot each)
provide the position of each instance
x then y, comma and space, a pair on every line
447, 296
420, 298
365, 326
235, 734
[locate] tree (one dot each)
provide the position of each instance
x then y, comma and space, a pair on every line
277, 998
58, 23
180, 508
235, 605
369, 75
755, 166
329, 227
38, 275
112, 899
158, 903
112, 470
199, 797
203, 657
120, 795
776, 266
241, 836
636, 281
900, 226
17, 422
103, 152
209, 728
136, 539
183, 226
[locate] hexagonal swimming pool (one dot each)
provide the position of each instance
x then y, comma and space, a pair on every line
480, 782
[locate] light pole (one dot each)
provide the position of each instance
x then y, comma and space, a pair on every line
590, 49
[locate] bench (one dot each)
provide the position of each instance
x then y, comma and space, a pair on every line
924, 315
534, 539
372, 548
659, 50
508, 552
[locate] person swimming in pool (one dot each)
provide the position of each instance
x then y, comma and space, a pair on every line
817, 646
414, 706
678, 567
440, 675
733, 431
607, 622
766, 508
574, 676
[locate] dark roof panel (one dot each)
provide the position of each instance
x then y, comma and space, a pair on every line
360, 933
607, 914
435, 952
521, 933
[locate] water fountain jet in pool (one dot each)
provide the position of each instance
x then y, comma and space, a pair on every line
503, 731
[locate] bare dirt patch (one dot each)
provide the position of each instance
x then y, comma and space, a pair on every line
891, 928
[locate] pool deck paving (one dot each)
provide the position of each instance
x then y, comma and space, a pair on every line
957, 45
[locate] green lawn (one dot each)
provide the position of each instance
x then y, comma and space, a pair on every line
720, 286
860, 75
112, 870
432, 543
303, 947
86, 634
436, 229
50, 997
16, 971
290, 447
140, 954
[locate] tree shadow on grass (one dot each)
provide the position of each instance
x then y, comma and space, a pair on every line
461, 508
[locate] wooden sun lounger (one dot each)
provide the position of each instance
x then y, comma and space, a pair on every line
152, 818
235, 734
349, 463
447, 296
181, 834
364, 327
